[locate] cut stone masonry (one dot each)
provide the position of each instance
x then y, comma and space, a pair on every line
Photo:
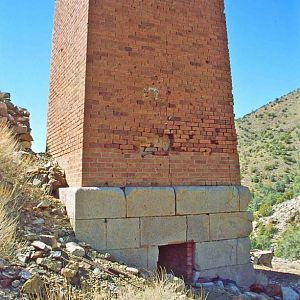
132, 223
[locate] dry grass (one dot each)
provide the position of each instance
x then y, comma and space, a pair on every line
159, 287
12, 165
162, 287
8, 221
12, 181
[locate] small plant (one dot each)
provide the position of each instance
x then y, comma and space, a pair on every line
263, 236
265, 210
8, 221
255, 179
280, 187
296, 186
289, 245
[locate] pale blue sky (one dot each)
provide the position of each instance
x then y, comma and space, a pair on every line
264, 45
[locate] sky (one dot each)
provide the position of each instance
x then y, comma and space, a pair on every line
264, 46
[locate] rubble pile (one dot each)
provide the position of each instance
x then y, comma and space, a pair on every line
46, 174
50, 256
224, 289
17, 119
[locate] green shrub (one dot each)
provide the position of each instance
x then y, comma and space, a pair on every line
296, 186
280, 187
255, 179
262, 239
289, 245
265, 210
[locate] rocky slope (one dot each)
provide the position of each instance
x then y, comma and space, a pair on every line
284, 214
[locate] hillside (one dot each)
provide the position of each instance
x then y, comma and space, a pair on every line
269, 147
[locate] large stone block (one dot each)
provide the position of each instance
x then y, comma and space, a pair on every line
67, 197
153, 253
204, 199
245, 197
198, 228
209, 255
123, 233
137, 257
92, 232
223, 199
93, 203
230, 225
163, 230
150, 201
244, 275
243, 251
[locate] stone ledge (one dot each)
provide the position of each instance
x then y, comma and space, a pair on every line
94, 203
210, 255
92, 232
245, 197
191, 200
163, 230
112, 202
198, 228
243, 274
150, 201
123, 233
243, 251
136, 257
225, 226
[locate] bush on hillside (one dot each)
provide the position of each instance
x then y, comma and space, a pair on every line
296, 186
265, 210
289, 245
263, 236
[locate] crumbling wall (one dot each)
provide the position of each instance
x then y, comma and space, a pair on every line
17, 119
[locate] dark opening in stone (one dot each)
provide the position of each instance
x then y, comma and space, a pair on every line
177, 259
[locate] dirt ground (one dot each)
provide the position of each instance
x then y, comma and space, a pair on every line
284, 272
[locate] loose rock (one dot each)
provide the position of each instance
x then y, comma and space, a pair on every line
50, 240
52, 265
262, 258
289, 294
75, 249
41, 246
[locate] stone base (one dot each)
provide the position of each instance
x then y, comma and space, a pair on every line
132, 223
244, 274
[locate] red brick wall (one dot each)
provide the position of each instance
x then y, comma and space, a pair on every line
158, 102
178, 259
67, 86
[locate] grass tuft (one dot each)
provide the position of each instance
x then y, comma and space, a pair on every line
8, 221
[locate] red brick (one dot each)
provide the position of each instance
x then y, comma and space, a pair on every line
140, 75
